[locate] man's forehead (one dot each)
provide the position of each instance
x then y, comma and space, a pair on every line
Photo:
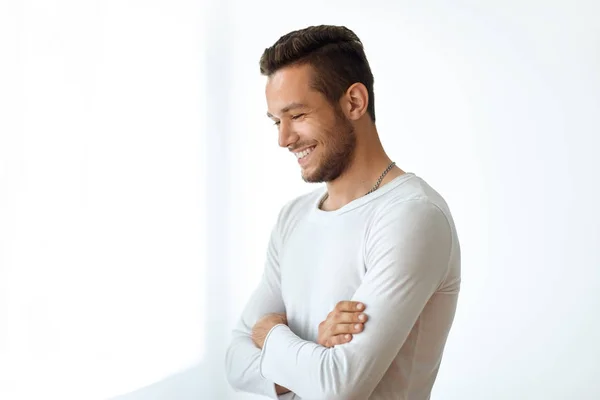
291, 74
292, 81
290, 89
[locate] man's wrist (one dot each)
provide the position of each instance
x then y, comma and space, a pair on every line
264, 325
264, 333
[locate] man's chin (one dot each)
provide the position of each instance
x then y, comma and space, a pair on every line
319, 176
311, 178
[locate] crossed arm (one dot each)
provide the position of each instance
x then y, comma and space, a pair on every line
243, 357
345, 320
407, 259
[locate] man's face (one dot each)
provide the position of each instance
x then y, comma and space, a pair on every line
319, 134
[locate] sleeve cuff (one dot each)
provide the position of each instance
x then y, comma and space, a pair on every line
266, 352
270, 391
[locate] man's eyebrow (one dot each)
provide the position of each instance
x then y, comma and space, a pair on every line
288, 108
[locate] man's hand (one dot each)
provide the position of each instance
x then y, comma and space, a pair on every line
347, 318
264, 325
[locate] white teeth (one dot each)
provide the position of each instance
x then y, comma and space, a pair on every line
304, 153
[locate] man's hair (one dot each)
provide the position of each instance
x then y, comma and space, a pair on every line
335, 53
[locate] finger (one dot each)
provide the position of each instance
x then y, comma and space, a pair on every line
340, 329
350, 306
339, 339
339, 317
351, 318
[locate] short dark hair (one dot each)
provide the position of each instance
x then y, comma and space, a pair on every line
335, 53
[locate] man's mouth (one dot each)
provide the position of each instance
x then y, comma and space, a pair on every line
301, 154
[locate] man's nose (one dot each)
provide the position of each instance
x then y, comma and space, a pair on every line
287, 135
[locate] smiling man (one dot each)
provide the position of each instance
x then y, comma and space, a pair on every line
374, 242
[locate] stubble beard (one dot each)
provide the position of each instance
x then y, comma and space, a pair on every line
338, 152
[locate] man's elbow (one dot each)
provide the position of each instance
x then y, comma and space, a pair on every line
349, 391
349, 383
234, 380
340, 383
233, 374
346, 393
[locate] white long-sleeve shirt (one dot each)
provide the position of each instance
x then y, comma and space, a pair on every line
396, 250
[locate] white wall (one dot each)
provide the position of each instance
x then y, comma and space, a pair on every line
102, 196
135, 151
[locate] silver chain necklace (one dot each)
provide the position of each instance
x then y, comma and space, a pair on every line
375, 187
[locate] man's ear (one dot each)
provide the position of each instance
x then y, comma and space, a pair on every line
355, 101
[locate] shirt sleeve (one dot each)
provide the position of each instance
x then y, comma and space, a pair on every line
243, 357
407, 257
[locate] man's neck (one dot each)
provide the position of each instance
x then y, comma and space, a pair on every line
367, 166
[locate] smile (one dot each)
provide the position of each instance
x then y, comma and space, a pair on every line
301, 154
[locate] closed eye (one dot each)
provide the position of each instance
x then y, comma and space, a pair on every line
298, 116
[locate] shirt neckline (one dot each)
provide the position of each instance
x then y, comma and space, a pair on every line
363, 199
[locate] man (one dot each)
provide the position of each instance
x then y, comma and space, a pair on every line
375, 239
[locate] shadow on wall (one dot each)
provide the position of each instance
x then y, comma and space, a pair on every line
186, 385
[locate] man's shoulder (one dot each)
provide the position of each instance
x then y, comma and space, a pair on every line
299, 205
303, 201
416, 197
